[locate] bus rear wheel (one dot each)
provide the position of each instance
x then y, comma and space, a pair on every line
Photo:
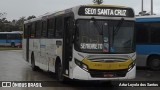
154, 63
59, 73
34, 68
12, 44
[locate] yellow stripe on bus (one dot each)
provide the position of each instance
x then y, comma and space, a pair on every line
107, 65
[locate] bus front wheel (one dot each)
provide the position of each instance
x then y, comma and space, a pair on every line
59, 75
154, 63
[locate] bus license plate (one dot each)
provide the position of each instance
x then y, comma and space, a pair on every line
108, 75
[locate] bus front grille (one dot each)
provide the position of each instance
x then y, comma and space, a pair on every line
108, 73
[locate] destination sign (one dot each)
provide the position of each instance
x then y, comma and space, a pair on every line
106, 11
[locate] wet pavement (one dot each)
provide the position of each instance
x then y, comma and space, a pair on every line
14, 68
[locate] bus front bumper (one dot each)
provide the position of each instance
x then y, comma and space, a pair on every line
81, 74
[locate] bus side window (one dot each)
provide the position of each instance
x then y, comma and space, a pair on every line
38, 29
29, 30
14, 36
3, 36
44, 29
25, 31
51, 27
142, 32
9, 36
155, 32
70, 29
59, 27
32, 31
18, 36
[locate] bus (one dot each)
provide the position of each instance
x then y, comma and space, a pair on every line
13, 39
86, 42
148, 41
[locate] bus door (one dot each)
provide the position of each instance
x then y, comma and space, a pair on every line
27, 42
67, 44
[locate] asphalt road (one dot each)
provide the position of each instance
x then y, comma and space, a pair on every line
14, 68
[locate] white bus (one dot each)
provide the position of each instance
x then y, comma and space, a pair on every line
87, 42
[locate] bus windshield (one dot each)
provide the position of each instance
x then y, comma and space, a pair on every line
99, 36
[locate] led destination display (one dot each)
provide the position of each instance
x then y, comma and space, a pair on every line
106, 11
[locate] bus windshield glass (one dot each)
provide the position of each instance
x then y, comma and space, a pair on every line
101, 36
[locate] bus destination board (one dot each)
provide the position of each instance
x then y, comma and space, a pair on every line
106, 11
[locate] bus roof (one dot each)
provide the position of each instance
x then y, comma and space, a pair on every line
151, 18
46, 15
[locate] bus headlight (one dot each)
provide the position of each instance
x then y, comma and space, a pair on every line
81, 65
131, 65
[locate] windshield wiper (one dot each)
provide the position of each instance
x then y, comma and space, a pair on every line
115, 31
118, 26
98, 28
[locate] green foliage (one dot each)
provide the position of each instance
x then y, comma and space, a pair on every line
31, 17
20, 23
14, 25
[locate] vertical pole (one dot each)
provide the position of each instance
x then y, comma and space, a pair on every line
151, 7
142, 6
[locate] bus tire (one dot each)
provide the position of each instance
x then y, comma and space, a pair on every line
12, 44
59, 72
34, 68
154, 63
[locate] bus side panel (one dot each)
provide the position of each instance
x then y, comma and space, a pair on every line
39, 50
36, 51
51, 50
141, 60
43, 58
143, 51
3, 42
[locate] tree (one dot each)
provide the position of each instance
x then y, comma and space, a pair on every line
14, 25
3, 21
6, 26
14, 22
3, 15
31, 17
20, 23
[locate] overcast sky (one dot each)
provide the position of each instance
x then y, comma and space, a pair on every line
18, 8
